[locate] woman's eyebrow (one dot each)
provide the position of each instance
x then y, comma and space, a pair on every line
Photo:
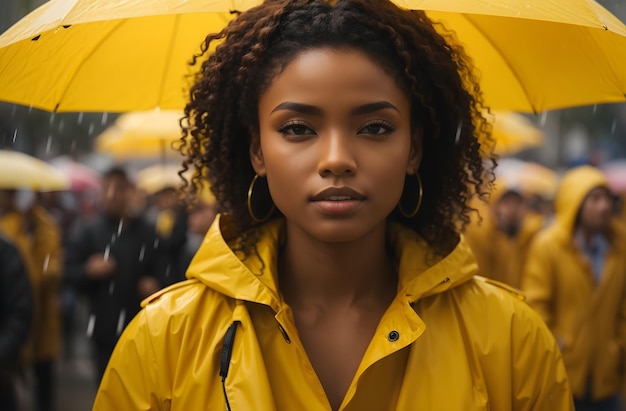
313, 110
372, 107
298, 107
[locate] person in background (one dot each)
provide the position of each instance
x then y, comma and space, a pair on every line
37, 236
63, 207
112, 260
170, 222
341, 141
500, 240
575, 278
16, 312
199, 220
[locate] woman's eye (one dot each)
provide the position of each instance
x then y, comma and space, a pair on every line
296, 129
377, 128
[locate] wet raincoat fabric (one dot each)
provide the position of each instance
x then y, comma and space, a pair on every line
449, 341
38, 238
588, 320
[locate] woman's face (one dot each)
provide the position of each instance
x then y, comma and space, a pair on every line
335, 144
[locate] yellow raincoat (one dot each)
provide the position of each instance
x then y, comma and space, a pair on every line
449, 341
38, 238
588, 320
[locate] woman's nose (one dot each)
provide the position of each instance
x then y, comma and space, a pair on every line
337, 154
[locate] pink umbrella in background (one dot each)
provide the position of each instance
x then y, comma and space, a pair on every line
82, 177
615, 172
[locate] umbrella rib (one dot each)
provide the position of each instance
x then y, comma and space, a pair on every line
488, 39
83, 61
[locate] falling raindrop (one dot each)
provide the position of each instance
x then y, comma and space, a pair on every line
543, 118
119, 227
61, 125
51, 120
113, 237
90, 132
613, 126
120, 321
46, 261
80, 118
90, 325
595, 109
167, 270
104, 118
111, 287
14, 136
107, 252
30, 109
459, 127
48, 143
142, 253
156, 243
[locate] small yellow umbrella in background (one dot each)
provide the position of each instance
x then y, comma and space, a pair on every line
513, 132
158, 177
141, 134
22, 171
528, 177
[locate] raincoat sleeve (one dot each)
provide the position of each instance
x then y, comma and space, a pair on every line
538, 281
540, 381
130, 380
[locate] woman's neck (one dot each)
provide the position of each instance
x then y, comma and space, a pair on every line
330, 274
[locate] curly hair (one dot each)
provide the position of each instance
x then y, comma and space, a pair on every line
438, 77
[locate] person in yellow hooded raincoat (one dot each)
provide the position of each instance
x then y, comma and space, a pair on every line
575, 278
500, 236
341, 145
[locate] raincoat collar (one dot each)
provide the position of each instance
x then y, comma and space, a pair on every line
220, 266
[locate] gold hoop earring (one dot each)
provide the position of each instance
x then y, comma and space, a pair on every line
420, 193
264, 200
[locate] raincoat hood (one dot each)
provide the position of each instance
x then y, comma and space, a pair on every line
254, 277
573, 189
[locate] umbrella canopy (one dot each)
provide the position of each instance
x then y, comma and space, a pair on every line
615, 172
81, 177
513, 132
158, 177
143, 134
124, 55
528, 177
21, 171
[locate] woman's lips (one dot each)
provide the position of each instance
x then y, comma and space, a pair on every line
338, 200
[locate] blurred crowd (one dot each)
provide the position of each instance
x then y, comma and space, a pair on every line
110, 249
563, 245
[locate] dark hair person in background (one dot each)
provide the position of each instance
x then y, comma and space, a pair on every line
16, 312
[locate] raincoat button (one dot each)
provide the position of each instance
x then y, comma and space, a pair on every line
393, 336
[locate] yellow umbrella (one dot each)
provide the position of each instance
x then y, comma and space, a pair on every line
157, 177
124, 55
142, 134
513, 132
528, 177
21, 171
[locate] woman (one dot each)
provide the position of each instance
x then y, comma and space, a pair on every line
340, 141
